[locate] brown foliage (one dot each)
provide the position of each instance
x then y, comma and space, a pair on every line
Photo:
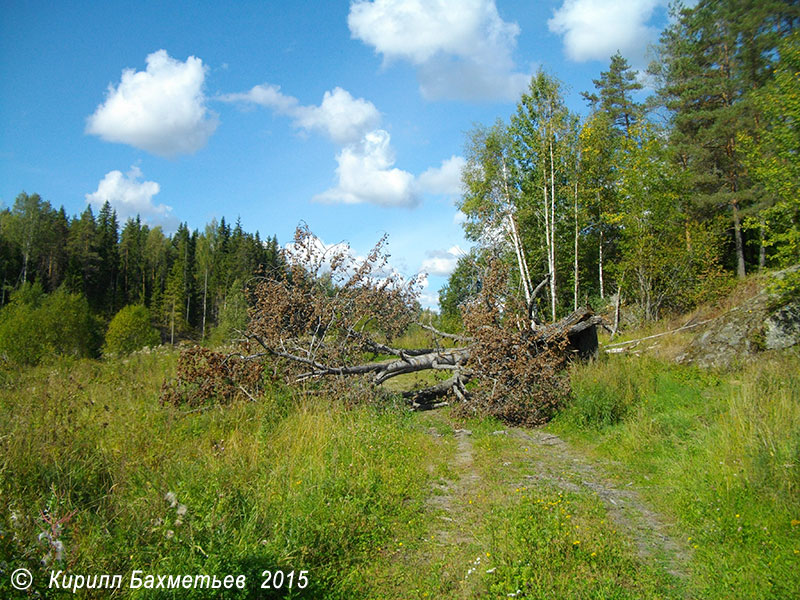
329, 309
205, 376
518, 378
330, 316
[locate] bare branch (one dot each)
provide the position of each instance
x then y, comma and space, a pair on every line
450, 336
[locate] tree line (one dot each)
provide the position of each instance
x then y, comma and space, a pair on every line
661, 201
190, 281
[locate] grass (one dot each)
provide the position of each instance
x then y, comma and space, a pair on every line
547, 542
377, 502
289, 482
720, 453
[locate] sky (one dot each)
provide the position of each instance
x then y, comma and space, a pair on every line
349, 116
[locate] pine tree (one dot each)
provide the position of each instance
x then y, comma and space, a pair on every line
712, 58
614, 95
83, 267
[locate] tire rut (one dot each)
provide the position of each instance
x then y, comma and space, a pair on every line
556, 463
450, 493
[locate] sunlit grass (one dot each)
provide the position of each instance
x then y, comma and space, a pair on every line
720, 453
287, 482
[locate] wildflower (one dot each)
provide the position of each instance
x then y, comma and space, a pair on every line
593, 554
170, 497
170, 534
737, 515
795, 522
576, 543
181, 510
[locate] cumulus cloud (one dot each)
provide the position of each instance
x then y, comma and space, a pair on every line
441, 262
366, 174
161, 110
365, 171
596, 29
445, 180
130, 197
462, 48
341, 117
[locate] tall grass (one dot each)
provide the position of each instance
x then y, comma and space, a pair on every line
720, 452
288, 482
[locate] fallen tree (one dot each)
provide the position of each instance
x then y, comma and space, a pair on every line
331, 317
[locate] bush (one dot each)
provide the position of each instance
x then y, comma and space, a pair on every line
34, 326
130, 330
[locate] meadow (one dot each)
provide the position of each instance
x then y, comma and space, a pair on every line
374, 501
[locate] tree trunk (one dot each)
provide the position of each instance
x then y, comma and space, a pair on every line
737, 233
575, 295
205, 291
600, 263
553, 284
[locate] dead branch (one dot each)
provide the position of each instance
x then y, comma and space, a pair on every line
449, 336
420, 399
650, 337
532, 317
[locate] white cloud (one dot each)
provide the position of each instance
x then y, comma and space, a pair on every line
366, 174
596, 29
161, 110
130, 197
341, 117
445, 180
266, 95
459, 218
462, 48
441, 262
365, 171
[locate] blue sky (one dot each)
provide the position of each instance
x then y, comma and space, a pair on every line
350, 116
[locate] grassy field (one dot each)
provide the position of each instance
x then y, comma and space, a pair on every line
718, 453
658, 481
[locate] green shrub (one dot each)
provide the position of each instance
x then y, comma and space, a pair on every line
34, 326
130, 330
